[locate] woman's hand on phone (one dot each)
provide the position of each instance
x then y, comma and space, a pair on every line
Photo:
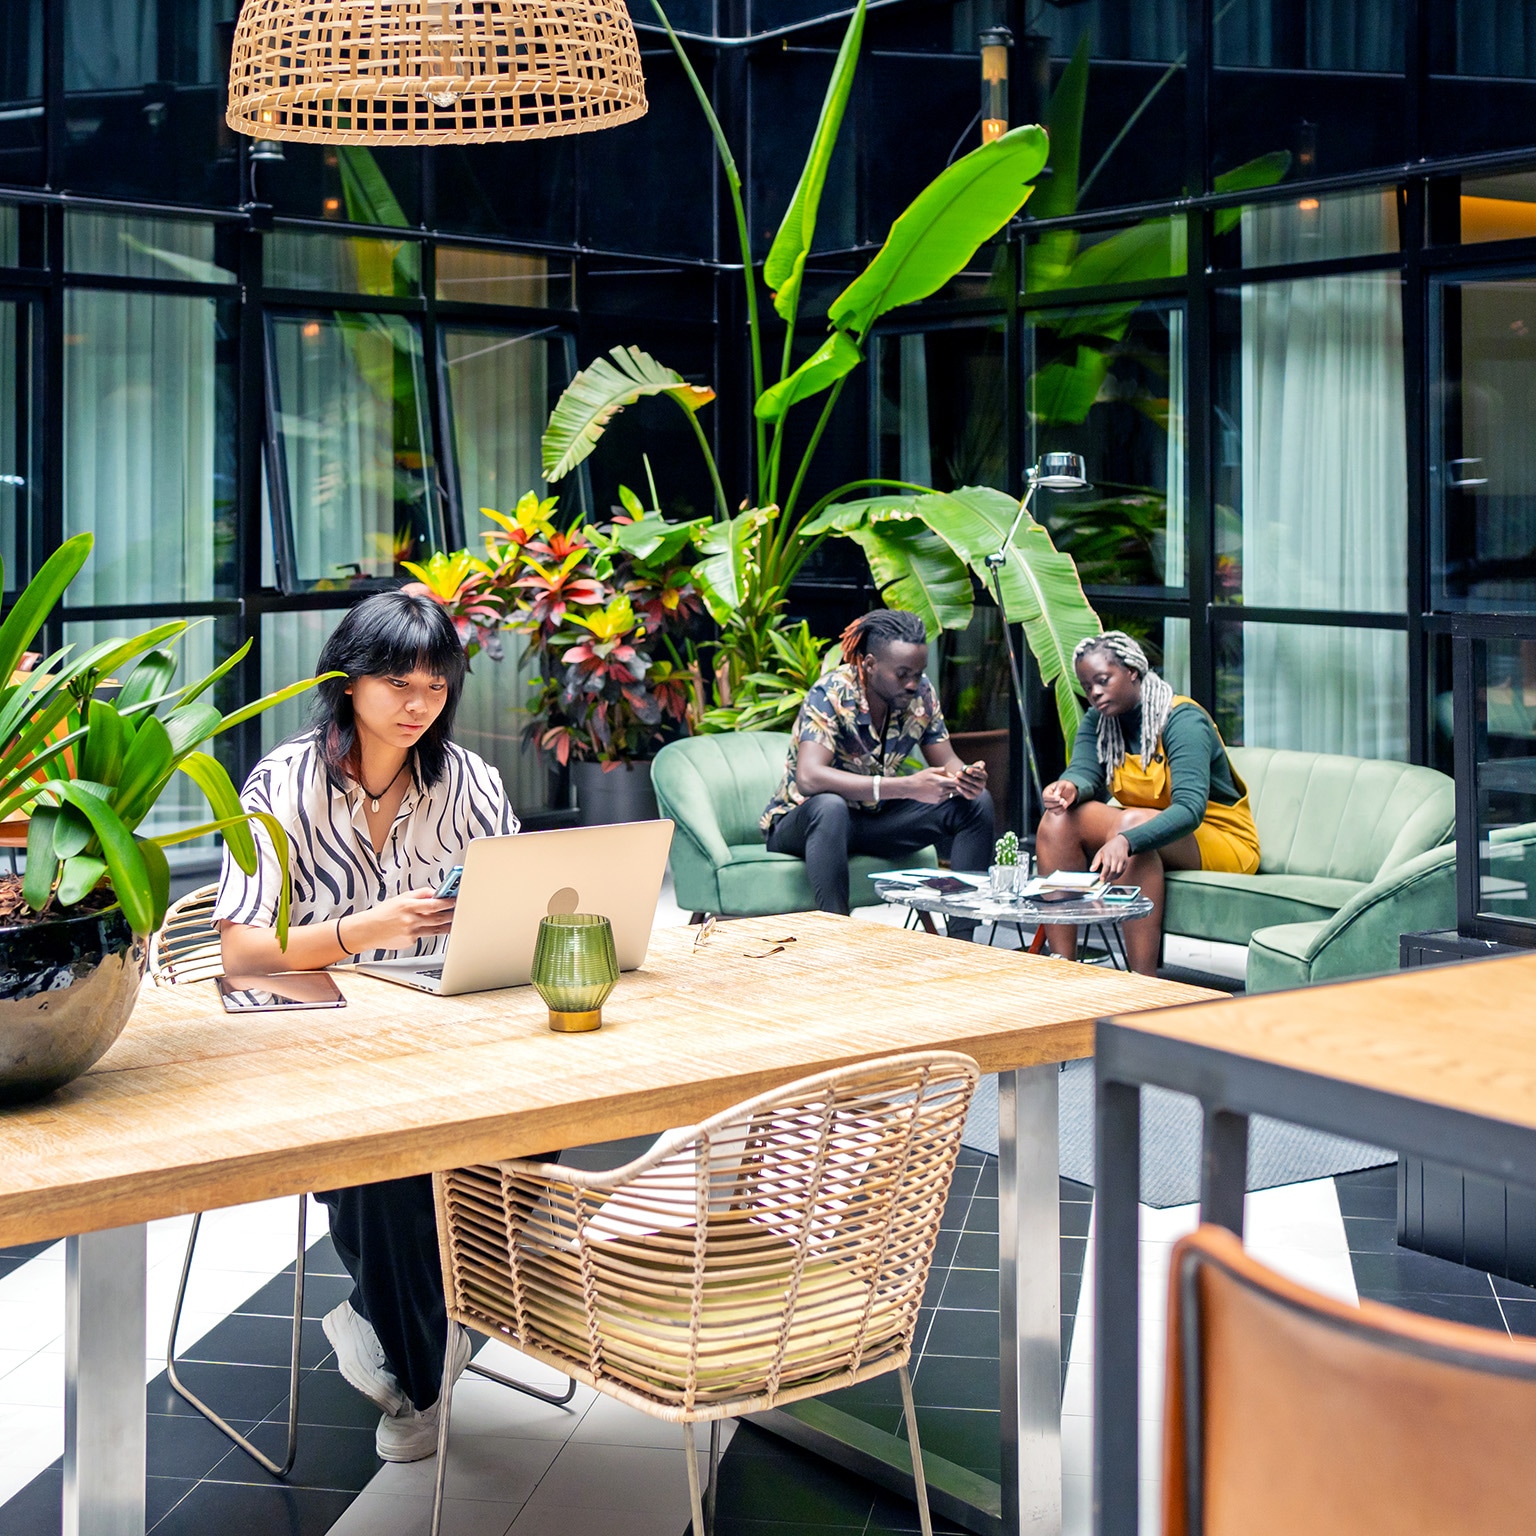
398, 923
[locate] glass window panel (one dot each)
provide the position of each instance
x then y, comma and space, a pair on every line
10, 230
940, 412
132, 246
21, 93
1311, 481
352, 436
1482, 85
1319, 81
475, 275
290, 647
1504, 767
144, 83
148, 445
1309, 228
320, 263
498, 396
1313, 688
1482, 457
1107, 381
1496, 208
18, 446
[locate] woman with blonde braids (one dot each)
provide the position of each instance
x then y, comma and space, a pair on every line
1178, 801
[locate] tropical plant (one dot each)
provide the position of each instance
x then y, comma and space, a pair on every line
750, 557
89, 770
770, 698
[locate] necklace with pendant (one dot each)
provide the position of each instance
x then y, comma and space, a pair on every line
375, 798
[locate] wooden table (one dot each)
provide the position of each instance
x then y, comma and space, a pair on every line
193, 1109
1438, 1062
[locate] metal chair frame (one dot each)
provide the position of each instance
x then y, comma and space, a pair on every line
179, 955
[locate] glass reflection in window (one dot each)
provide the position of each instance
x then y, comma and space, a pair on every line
350, 435
1504, 752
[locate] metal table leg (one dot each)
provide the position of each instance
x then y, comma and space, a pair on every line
1029, 1282
104, 1354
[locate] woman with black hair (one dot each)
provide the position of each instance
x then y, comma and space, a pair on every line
378, 804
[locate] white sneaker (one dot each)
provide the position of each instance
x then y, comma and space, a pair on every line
360, 1358
411, 1434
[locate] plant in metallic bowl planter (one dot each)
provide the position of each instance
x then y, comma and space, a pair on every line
86, 770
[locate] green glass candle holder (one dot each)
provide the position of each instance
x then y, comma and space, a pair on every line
575, 967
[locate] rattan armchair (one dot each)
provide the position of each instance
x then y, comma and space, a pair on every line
774, 1252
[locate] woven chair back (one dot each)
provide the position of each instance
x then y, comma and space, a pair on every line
777, 1250
432, 71
187, 945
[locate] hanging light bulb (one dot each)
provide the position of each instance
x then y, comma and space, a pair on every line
995, 43
432, 71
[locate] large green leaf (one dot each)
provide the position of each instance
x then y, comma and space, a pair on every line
651, 538
42, 594
600, 392
915, 569
784, 269
150, 681
149, 761
101, 757
1265, 171
838, 355
845, 516
81, 874
210, 776
268, 700
1062, 394
274, 830
962, 208
42, 862
125, 864
729, 550
1040, 585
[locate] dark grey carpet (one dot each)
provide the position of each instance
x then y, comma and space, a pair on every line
1170, 1142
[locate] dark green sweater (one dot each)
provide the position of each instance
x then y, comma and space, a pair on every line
1197, 763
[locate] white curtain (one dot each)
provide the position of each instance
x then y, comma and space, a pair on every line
114, 44
1341, 35
1496, 37
13, 495
1175, 568
290, 647
1324, 498
498, 390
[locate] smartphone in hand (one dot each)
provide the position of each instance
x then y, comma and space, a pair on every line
450, 885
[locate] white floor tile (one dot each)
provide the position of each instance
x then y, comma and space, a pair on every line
557, 1520
587, 1477
492, 1468
483, 1407
608, 1422
384, 1514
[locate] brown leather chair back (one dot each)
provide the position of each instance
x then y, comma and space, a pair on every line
1290, 1414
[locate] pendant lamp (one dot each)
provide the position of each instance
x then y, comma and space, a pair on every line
432, 71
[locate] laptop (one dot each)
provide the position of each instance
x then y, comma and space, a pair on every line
510, 883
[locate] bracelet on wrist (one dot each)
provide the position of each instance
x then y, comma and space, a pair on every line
340, 942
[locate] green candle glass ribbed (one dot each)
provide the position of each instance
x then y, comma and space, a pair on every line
575, 967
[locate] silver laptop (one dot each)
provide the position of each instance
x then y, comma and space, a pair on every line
509, 883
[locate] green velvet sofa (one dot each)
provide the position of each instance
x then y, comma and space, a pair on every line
1355, 851
714, 788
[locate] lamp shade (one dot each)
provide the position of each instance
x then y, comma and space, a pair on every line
432, 71
1061, 472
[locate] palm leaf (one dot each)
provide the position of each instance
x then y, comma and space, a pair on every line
784, 269
962, 208
600, 392
916, 570
838, 355
722, 575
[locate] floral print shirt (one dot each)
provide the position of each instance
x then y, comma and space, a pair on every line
836, 714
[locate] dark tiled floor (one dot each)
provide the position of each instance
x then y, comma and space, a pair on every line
198, 1481
1419, 1282
954, 1382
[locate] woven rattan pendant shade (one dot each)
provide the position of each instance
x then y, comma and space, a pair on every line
432, 71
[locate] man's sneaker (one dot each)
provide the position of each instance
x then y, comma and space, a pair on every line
411, 1434
360, 1358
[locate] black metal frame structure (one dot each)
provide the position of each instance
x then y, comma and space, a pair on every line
1230, 1088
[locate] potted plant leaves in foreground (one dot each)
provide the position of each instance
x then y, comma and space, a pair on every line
87, 771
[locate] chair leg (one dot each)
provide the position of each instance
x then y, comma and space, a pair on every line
711, 1487
293, 1364
924, 1519
444, 1413
522, 1386
695, 1500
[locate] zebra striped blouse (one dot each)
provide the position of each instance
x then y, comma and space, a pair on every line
334, 869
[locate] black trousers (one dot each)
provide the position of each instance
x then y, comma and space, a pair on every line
825, 829
386, 1237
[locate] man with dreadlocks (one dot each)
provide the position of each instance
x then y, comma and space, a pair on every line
1179, 802
845, 787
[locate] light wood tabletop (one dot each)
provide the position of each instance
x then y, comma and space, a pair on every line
194, 1109
1460, 1036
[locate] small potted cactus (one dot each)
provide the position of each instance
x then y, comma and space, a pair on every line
1005, 864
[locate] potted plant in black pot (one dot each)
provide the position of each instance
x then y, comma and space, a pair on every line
87, 770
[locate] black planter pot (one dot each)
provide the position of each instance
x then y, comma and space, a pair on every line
66, 990
625, 794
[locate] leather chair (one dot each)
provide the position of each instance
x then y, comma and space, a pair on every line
714, 789
1288, 1412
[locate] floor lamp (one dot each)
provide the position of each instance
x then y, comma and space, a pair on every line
1054, 472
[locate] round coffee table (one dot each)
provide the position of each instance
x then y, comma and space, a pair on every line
1104, 917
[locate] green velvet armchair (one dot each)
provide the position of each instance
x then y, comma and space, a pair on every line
714, 788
